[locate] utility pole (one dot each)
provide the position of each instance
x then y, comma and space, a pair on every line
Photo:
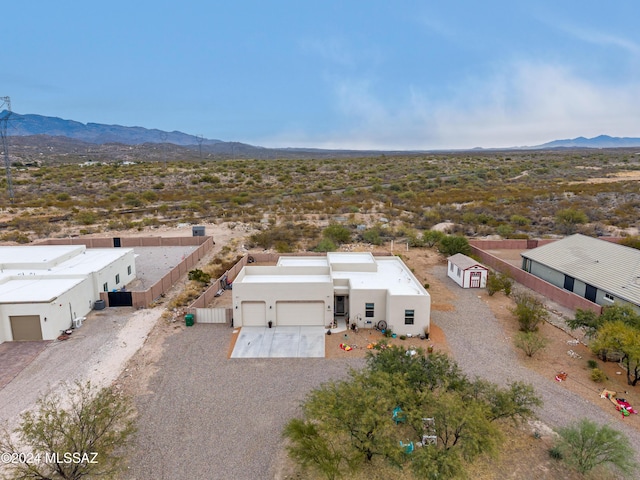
5, 113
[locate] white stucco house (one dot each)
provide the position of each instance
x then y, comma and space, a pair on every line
466, 272
43, 289
315, 290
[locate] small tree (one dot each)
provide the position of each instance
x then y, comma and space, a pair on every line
452, 244
80, 440
530, 342
530, 311
586, 446
432, 237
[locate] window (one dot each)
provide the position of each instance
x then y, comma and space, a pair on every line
368, 310
117, 279
608, 297
458, 271
129, 270
105, 287
451, 267
409, 316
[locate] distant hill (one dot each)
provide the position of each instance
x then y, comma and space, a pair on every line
602, 141
100, 134
96, 133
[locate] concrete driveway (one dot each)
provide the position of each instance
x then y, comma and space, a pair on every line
280, 342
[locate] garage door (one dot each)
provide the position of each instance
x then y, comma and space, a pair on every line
25, 328
254, 314
300, 313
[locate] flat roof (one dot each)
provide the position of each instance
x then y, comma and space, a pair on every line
35, 290
390, 272
40, 273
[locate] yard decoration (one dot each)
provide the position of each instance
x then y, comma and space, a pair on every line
621, 404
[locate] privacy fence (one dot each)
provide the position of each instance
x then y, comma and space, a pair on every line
143, 299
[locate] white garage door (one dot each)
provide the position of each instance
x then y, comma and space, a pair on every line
300, 313
254, 314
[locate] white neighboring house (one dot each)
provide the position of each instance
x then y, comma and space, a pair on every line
466, 272
315, 290
43, 289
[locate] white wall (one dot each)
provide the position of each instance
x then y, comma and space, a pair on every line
457, 275
358, 298
55, 316
108, 274
396, 306
270, 293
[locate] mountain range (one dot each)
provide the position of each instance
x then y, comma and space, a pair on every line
100, 134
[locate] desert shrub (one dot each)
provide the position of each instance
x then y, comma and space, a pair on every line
585, 446
529, 311
494, 285
337, 233
530, 342
373, 236
632, 241
592, 363
199, 276
325, 245
452, 244
497, 282
556, 453
598, 375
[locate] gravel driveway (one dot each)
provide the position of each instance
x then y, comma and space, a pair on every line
479, 346
211, 417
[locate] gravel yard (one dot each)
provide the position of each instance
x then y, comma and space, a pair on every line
211, 417
478, 344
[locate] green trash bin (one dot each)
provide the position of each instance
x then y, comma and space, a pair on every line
188, 319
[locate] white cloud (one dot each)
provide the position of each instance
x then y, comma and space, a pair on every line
524, 104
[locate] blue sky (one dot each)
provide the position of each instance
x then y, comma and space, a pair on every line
331, 74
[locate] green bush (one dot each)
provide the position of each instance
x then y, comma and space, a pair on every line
199, 276
529, 311
592, 363
530, 342
598, 375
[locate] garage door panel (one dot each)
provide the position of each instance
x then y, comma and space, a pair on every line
25, 328
254, 314
300, 313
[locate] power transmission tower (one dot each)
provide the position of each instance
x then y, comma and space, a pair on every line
200, 139
5, 113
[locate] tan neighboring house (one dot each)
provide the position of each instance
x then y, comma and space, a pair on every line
43, 289
365, 289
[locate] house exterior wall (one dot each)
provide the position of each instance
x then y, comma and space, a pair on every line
556, 278
358, 299
54, 316
395, 312
272, 293
108, 274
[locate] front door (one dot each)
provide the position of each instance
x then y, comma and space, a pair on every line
475, 279
339, 305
